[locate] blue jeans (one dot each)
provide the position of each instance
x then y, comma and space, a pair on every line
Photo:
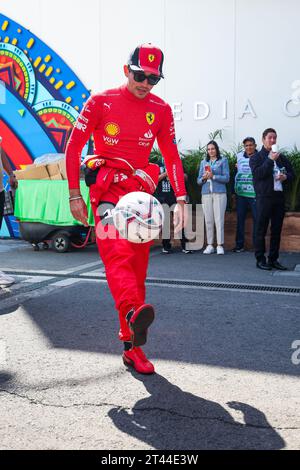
242, 205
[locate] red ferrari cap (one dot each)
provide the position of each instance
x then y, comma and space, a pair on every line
147, 58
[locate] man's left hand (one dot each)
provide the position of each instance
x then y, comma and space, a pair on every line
13, 181
282, 177
180, 216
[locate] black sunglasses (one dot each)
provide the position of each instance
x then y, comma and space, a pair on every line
140, 77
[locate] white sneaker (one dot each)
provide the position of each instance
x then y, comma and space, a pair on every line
6, 280
209, 250
220, 250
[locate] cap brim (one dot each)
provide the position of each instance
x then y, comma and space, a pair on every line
147, 70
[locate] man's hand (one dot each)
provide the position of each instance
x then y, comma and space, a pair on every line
274, 155
13, 181
79, 210
281, 177
162, 176
180, 216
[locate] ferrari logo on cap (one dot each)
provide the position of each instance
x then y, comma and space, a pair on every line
151, 58
150, 118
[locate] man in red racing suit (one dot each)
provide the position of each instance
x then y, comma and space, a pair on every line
125, 123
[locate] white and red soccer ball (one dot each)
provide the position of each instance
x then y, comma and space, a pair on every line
138, 217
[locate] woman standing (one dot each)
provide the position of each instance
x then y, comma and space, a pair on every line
213, 176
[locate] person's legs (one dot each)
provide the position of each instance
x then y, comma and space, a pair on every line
252, 204
219, 207
263, 205
125, 266
277, 216
140, 263
166, 232
136, 358
207, 204
166, 244
241, 212
183, 242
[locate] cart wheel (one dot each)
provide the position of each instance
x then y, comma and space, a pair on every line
35, 246
61, 242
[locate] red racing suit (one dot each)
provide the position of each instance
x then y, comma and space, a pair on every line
124, 128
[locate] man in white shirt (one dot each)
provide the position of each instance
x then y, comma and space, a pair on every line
271, 170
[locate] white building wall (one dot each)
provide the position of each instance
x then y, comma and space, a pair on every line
219, 52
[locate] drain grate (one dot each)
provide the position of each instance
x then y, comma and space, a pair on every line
162, 282
227, 285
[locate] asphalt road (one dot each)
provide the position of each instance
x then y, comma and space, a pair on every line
225, 343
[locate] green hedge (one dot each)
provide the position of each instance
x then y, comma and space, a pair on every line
191, 163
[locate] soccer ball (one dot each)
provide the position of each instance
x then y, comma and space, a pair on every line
138, 217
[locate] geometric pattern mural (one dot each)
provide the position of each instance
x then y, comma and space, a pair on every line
41, 100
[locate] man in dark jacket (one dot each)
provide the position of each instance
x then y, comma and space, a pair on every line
271, 171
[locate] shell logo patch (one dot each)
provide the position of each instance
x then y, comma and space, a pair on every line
150, 117
151, 58
112, 129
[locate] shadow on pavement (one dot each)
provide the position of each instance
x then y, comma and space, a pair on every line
242, 331
5, 378
8, 310
173, 419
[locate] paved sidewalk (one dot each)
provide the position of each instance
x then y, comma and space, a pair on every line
225, 343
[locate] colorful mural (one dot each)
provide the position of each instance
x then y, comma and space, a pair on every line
41, 100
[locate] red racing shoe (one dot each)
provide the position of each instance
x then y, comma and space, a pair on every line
137, 359
139, 321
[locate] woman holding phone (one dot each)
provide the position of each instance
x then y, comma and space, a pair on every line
213, 176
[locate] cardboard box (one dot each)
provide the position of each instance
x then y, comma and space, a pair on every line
57, 168
62, 168
53, 169
32, 173
27, 167
56, 177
